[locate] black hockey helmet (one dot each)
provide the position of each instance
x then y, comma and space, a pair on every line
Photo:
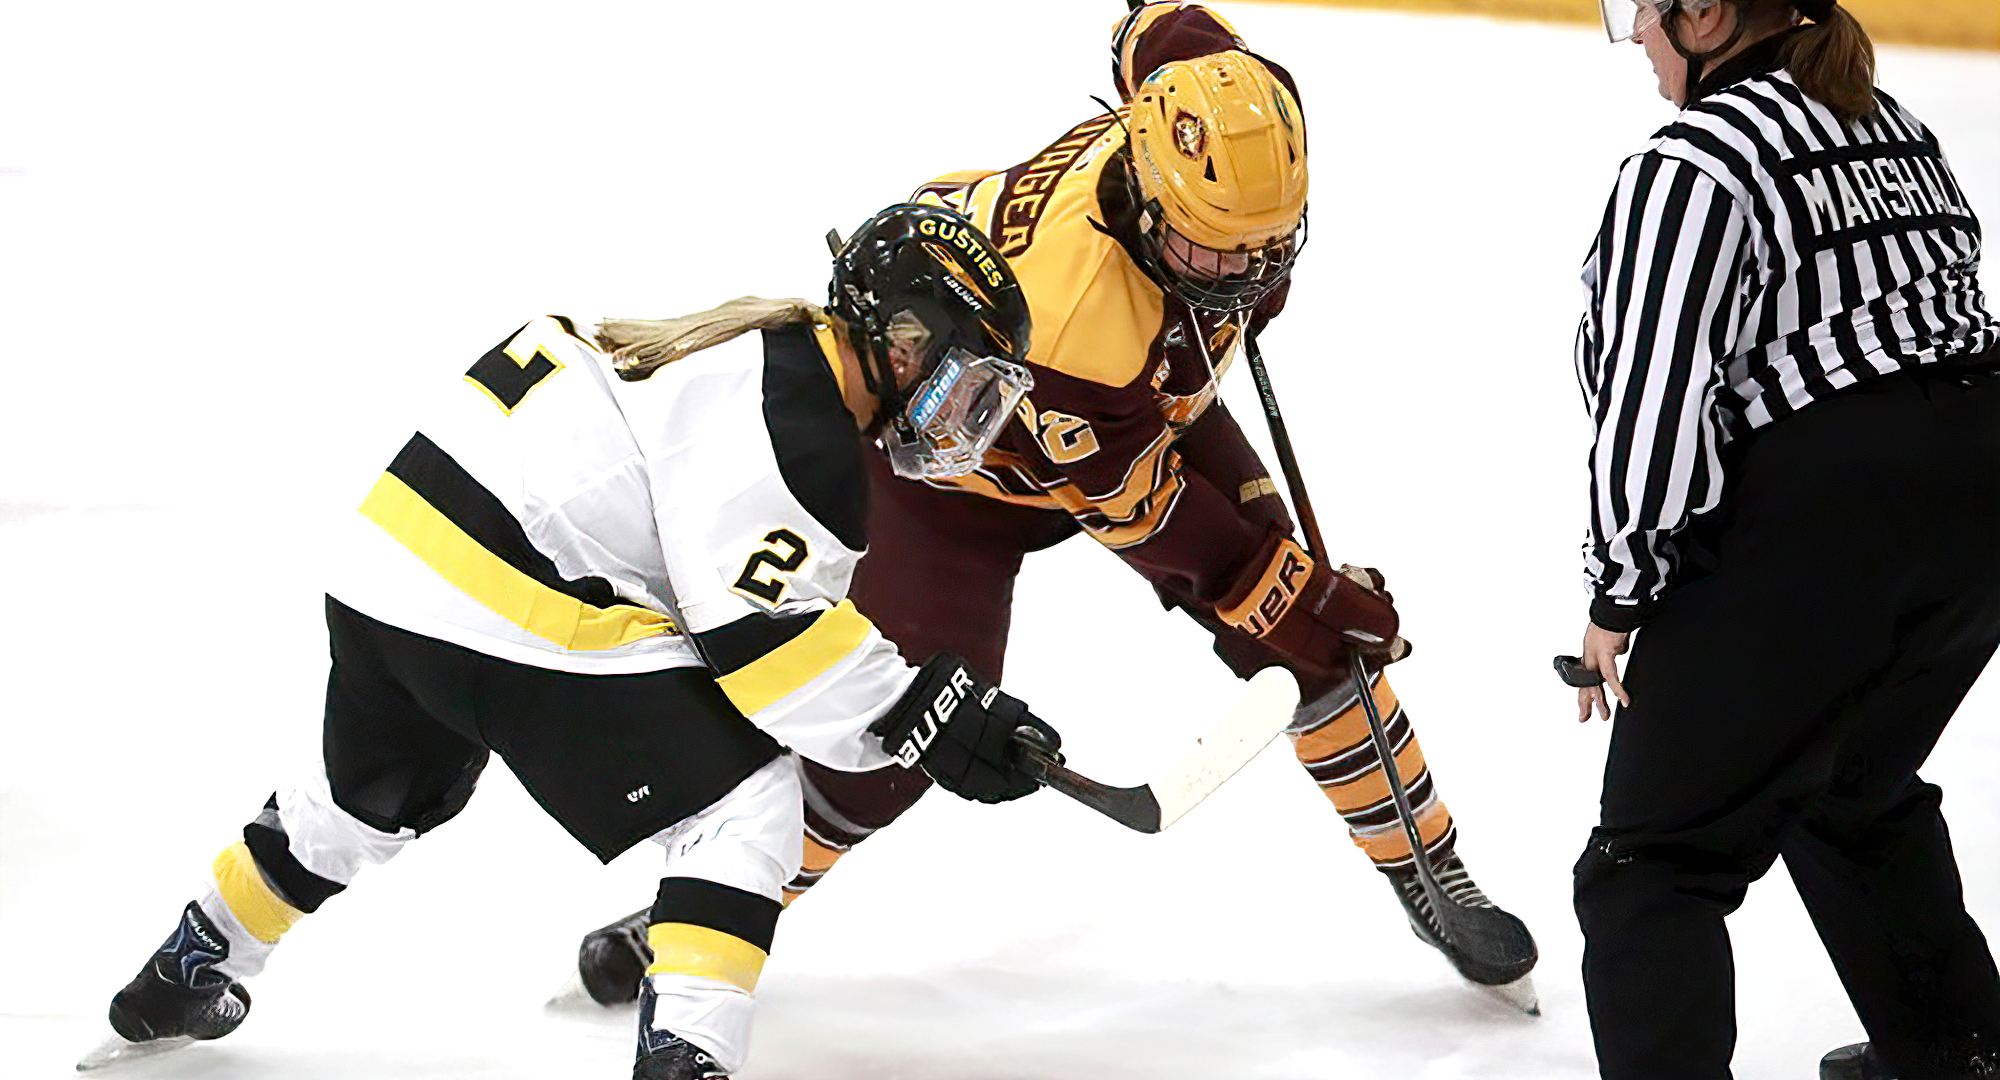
940, 326
916, 266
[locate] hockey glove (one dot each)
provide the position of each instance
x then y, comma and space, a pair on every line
1311, 615
961, 731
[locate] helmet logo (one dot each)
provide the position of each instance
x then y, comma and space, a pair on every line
1190, 134
960, 280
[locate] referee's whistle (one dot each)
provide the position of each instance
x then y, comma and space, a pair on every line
1572, 671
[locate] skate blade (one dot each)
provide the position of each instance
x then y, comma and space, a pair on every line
1520, 994
115, 1050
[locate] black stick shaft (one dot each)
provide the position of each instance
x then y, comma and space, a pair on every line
1281, 441
1379, 734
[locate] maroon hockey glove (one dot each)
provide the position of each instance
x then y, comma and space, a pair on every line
1269, 307
961, 730
1312, 615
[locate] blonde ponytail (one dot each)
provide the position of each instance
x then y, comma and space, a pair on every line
1833, 61
639, 347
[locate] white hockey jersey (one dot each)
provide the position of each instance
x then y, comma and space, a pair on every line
549, 514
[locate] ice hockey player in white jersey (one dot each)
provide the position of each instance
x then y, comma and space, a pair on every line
626, 575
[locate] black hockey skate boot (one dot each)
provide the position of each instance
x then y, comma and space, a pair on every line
1966, 1057
664, 1055
612, 960
1855, 1062
1487, 945
179, 994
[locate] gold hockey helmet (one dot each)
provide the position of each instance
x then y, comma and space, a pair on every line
1219, 154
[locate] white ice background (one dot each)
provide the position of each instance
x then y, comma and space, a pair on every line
233, 235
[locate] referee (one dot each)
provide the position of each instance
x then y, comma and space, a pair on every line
1795, 490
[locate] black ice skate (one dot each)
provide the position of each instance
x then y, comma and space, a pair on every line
612, 961
1855, 1062
1965, 1056
1487, 945
177, 998
664, 1055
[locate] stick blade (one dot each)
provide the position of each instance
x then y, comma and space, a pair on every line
1258, 716
1133, 807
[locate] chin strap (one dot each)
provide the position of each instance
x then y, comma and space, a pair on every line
1697, 61
878, 374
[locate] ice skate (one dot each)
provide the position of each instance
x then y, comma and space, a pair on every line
176, 999
664, 1055
1490, 948
1856, 1062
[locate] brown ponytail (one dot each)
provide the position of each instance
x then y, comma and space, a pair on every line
1833, 61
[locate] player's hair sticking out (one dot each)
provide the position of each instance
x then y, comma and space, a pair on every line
909, 340
639, 347
1832, 59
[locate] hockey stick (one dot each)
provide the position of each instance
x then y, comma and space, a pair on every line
1257, 718
1281, 441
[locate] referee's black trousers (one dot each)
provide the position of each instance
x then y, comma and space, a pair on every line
1781, 705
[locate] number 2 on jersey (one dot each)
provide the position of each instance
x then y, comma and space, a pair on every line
513, 368
771, 586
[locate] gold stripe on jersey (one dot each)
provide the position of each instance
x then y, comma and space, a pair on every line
1130, 515
1151, 515
1155, 468
952, 190
999, 480
479, 573
830, 639
829, 346
687, 949
250, 898
1138, 507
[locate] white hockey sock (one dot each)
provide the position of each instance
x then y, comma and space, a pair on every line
246, 953
709, 1013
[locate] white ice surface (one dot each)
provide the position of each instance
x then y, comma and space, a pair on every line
233, 234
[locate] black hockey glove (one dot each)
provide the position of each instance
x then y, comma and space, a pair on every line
961, 730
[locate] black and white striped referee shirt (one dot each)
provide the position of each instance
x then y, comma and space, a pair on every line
1757, 256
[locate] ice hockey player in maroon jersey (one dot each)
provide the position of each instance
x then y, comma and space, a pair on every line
1148, 242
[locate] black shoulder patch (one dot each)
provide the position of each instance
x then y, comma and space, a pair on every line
817, 446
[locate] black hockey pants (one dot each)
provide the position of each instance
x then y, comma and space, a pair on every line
1781, 705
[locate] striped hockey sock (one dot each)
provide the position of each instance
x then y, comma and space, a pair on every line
1338, 752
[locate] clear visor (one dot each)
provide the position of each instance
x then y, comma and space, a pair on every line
954, 416
1626, 19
